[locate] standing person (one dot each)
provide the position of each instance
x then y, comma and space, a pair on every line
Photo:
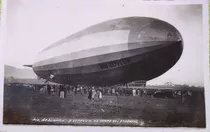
93, 93
65, 91
48, 89
124, 92
85, 90
57, 89
68, 88
137, 92
183, 96
134, 92
109, 91
81, 90
61, 91
75, 90
103, 91
145, 92
113, 91
90, 94
120, 92
99, 94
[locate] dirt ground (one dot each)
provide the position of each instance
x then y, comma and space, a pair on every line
23, 104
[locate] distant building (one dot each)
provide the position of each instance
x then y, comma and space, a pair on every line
141, 83
169, 84
136, 84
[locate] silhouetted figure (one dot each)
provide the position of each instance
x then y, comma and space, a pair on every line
48, 89
90, 94
61, 91
85, 90
68, 89
75, 90
65, 91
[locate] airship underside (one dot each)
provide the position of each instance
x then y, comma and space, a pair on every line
112, 52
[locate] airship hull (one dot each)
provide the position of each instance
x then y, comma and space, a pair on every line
124, 59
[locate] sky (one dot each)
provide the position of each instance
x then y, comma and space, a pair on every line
32, 25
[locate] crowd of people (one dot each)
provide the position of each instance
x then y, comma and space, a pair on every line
64, 90
97, 93
93, 92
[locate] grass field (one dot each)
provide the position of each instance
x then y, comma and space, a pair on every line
22, 104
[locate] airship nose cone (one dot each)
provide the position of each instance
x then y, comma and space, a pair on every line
164, 43
154, 32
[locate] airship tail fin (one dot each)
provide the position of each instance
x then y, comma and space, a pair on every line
28, 66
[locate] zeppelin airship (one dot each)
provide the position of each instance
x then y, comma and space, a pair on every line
112, 52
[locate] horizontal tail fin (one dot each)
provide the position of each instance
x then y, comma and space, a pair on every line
28, 66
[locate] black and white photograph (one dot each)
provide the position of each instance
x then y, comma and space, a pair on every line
97, 63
